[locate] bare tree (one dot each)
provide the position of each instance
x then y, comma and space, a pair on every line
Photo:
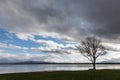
92, 48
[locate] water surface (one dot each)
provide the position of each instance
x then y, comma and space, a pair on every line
53, 67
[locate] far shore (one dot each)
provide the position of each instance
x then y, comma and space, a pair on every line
31, 63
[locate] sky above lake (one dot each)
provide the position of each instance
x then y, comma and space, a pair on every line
50, 30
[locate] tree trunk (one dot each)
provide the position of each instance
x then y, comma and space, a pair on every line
94, 63
94, 66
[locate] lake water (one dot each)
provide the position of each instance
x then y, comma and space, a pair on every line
52, 67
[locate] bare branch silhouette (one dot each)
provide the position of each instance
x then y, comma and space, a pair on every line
92, 48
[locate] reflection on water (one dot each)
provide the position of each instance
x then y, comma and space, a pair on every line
52, 67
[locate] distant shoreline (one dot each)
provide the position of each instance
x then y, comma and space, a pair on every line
30, 63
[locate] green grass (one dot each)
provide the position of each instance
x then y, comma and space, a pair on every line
65, 75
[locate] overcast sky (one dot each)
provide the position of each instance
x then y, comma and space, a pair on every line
49, 30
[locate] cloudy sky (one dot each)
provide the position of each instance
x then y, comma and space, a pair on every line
50, 30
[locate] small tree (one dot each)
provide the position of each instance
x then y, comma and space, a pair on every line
92, 48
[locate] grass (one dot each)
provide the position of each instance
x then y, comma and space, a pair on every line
65, 75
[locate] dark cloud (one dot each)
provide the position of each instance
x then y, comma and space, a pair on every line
75, 18
105, 14
42, 12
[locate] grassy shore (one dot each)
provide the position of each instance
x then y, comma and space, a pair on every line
65, 75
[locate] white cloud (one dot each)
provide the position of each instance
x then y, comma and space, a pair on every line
112, 46
73, 58
50, 43
23, 36
54, 47
11, 46
3, 45
7, 57
30, 36
112, 56
1, 51
53, 44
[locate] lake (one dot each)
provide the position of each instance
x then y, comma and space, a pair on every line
52, 67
